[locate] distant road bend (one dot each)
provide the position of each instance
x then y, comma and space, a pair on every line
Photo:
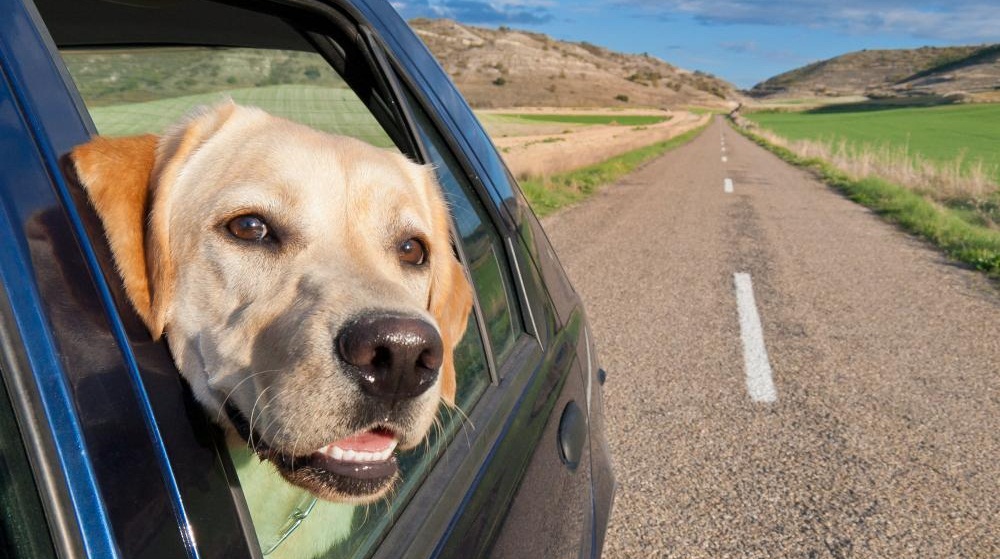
789, 376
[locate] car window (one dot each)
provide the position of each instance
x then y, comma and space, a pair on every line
132, 90
483, 245
23, 531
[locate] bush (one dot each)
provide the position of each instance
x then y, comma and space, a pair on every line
500, 81
622, 98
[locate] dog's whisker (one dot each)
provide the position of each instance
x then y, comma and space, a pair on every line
387, 498
229, 394
262, 436
439, 427
364, 520
465, 416
254, 408
467, 424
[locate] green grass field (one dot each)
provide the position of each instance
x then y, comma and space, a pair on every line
331, 109
966, 240
941, 134
624, 120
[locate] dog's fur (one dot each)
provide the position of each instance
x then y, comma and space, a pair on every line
252, 328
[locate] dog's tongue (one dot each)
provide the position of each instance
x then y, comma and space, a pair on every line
368, 441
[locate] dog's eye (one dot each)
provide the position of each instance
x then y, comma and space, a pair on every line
412, 252
249, 228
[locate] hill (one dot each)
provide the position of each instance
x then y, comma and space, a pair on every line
510, 68
927, 71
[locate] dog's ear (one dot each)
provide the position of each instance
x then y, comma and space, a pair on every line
116, 174
450, 295
451, 301
128, 181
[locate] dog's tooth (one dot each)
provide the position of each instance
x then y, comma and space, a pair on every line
338, 453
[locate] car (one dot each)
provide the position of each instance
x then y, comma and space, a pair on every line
103, 451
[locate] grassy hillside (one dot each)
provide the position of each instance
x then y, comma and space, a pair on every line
135, 91
937, 71
334, 110
512, 68
942, 134
113, 77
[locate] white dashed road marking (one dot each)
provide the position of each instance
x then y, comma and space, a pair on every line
727, 186
760, 384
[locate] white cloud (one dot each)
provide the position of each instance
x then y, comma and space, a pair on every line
480, 11
957, 20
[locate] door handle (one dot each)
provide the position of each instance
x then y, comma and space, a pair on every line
572, 435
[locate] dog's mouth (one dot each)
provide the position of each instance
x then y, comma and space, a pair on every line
358, 468
364, 455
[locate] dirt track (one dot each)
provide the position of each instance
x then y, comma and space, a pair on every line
885, 436
560, 147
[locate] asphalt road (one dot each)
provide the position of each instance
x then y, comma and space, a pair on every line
883, 436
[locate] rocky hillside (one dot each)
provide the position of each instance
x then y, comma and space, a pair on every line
927, 71
510, 68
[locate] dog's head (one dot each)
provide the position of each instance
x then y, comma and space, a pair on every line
305, 282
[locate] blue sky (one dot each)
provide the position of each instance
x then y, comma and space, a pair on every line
743, 41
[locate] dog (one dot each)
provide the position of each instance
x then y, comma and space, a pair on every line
305, 283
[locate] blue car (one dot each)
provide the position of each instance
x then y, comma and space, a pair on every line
103, 451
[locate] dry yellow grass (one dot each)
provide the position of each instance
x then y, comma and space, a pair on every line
950, 182
541, 155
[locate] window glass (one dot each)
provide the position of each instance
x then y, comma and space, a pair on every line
142, 90
484, 249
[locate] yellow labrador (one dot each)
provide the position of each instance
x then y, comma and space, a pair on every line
305, 283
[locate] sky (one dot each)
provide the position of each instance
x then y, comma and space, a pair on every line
742, 41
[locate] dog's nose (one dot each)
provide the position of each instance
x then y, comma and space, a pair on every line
393, 357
